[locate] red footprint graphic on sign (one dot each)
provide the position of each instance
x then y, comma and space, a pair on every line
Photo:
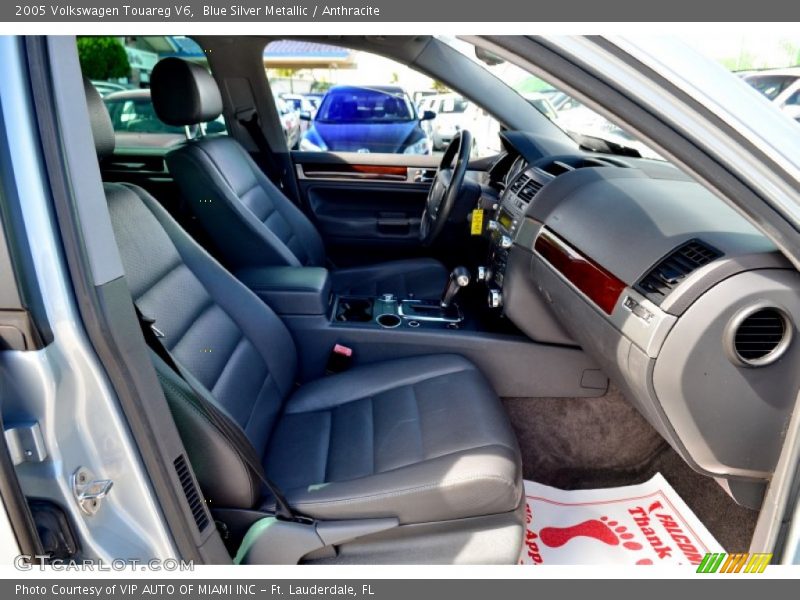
608, 532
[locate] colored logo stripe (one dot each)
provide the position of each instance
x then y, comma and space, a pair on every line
719, 562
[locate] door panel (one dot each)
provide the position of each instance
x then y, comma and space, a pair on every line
367, 213
367, 207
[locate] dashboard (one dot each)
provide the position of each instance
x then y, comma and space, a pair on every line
688, 308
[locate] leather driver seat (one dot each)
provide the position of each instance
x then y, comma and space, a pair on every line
422, 440
250, 221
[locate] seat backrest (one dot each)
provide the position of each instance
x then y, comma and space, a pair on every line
224, 336
250, 221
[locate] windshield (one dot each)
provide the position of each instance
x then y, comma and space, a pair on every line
573, 117
771, 85
365, 105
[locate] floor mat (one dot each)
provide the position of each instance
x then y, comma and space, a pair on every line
589, 443
643, 524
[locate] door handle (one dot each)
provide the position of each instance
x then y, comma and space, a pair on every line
423, 175
393, 223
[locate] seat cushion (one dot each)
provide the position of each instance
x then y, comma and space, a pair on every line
421, 439
422, 277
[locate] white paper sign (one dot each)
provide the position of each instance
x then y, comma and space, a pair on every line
642, 524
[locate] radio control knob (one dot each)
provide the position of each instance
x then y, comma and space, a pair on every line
495, 298
483, 274
506, 241
493, 225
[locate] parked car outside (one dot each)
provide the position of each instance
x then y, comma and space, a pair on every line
577, 119
290, 122
449, 109
542, 104
104, 88
367, 119
779, 86
560, 100
315, 98
302, 106
136, 124
485, 130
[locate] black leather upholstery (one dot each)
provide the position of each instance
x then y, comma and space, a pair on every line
423, 277
250, 220
290, 290
422, 439
184, 93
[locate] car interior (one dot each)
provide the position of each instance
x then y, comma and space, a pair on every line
378, 349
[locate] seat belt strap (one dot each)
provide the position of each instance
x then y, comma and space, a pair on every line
226, 427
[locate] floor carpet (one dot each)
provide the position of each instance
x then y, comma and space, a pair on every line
574, 443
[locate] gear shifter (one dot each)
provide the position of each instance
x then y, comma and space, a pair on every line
459, 278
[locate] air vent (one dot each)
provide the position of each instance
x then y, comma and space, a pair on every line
529, 190
758, 336
519, 182
668, 273
192, 493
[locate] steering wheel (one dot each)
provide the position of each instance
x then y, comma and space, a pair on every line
445, 188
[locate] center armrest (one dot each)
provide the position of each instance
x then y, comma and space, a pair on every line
290, 290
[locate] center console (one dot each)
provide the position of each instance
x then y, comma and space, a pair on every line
503, 228
386, 327
306, 291
389, 312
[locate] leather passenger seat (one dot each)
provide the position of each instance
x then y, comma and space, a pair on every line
422, 440
251, 222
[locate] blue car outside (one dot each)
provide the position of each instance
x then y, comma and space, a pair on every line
367, 119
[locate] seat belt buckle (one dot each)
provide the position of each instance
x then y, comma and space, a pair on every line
340, 359
151, 323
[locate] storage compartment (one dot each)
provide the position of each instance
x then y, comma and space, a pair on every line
353, 310
290, 290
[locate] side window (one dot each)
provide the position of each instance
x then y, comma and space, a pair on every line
344, 100
791, 107
120, 67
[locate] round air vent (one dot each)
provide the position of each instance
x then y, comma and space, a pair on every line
759, 335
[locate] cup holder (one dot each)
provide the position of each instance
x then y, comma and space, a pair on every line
388, 320
354, 310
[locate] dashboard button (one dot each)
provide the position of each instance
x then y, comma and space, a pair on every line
495, 298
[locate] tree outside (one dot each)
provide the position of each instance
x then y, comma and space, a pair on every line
103, 57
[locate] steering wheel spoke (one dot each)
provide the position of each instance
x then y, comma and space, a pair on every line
445, 187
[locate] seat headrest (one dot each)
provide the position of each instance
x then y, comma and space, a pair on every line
102, 129
184, 93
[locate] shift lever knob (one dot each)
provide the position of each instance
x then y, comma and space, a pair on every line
459, 278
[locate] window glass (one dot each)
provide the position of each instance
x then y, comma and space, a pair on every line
770, 86
136, 115
568, 113
120, 67
366, 105
353, 101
